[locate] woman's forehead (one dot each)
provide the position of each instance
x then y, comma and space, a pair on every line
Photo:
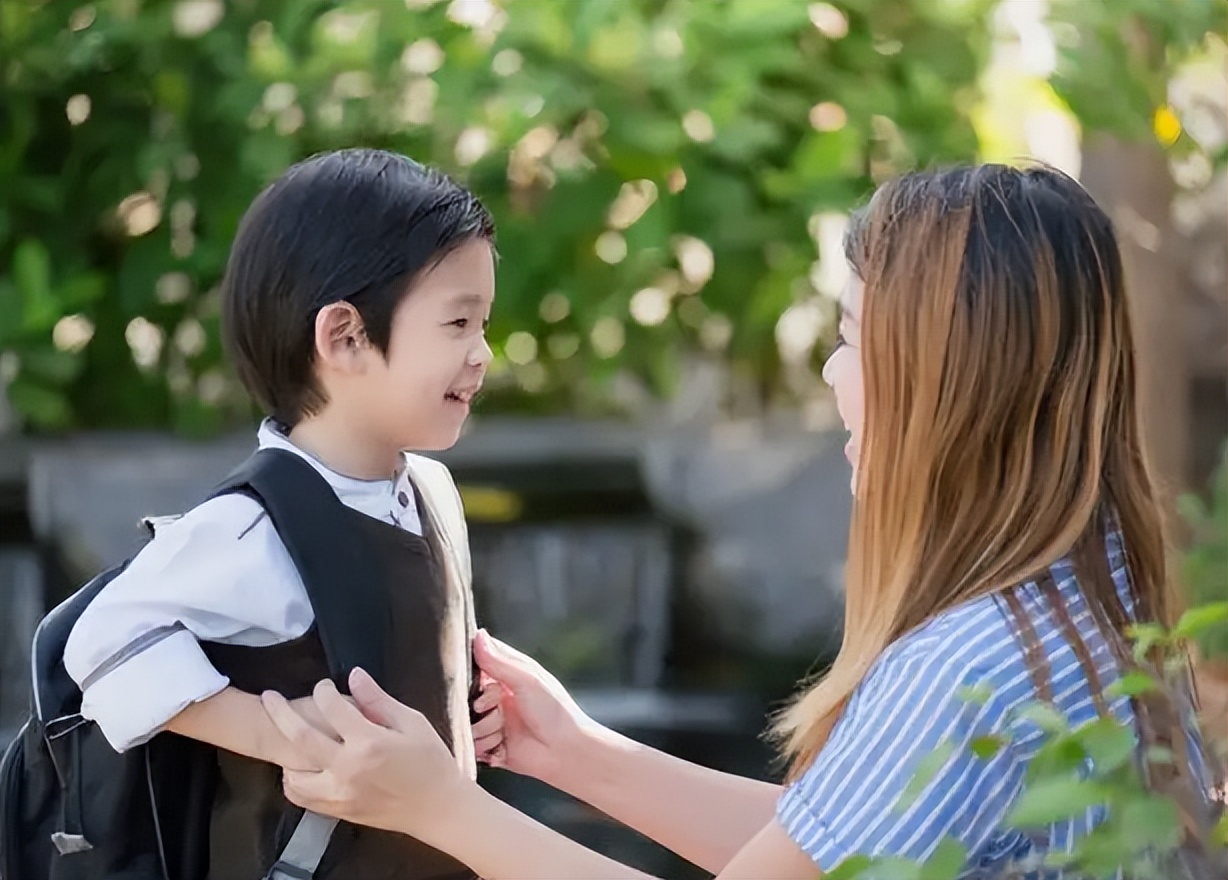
850, 297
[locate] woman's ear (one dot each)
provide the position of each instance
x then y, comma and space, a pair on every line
340, 337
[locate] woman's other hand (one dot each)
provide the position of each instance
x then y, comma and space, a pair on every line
389, 769
531, 724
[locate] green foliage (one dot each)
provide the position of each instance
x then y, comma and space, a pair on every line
1133, 45
133, 134
1205, 569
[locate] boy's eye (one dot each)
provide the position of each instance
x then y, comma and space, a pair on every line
461, 322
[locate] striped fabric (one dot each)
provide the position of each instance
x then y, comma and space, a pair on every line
912, 700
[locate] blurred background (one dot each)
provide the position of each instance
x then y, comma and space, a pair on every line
654, 479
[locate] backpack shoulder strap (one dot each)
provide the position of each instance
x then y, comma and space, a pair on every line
443, 507
342, 579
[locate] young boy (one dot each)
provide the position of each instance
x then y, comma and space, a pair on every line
355, 304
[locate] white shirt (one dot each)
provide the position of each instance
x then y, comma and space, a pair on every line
219, 573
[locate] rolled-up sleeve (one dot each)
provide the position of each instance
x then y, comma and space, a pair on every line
220, 573
852, 800
135, 698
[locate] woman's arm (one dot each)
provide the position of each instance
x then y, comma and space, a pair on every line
703, 815
535, 728
500, 843
396, 774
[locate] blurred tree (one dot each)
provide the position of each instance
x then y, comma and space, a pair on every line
653, 165
1116, 63
662, 171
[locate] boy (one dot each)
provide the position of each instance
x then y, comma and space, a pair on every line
354, 311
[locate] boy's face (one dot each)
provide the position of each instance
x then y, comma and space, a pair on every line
419, 396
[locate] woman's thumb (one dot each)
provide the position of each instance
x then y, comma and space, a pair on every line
501, 662
375, 703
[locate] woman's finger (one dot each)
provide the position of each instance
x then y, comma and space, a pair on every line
490, 724
491, 696
340, 712
307, 789
378, 706
503, 662
487, 743
318, 748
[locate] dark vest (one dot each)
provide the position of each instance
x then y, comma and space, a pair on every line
251, 820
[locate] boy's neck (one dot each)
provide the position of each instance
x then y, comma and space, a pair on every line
343, 452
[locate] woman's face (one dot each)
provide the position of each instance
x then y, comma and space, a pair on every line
843, 372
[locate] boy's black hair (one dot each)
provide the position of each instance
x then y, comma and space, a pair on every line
356, 225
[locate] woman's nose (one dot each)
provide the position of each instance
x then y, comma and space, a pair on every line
828, 371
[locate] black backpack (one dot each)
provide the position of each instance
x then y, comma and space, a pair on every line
72, 808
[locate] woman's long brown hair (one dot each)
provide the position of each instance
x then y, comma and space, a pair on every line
1002, 430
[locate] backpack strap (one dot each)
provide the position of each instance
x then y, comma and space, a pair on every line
327, 552
446, 515
303, 852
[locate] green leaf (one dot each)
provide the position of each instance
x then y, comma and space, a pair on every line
947, 862
1198, 620
985, 747
32, 274
895, 868
32, 268
850, 869
81, 289
1102, 852
974, 693
1159, 755
927, 769
43, 407
51, 366
1051, 800
1044, 716
1059, 757
1108, 743
1132, 684
1149, 821
10, 304
1058, 859
1146, 636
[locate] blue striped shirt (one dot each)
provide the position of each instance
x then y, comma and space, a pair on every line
912, 700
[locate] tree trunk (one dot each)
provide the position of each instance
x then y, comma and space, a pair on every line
1133, 184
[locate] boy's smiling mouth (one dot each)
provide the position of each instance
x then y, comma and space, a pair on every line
463, 395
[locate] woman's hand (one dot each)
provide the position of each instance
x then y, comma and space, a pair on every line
532, 726
388, 769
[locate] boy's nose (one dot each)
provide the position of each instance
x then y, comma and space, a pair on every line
481, 355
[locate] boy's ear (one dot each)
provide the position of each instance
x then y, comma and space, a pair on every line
340, 337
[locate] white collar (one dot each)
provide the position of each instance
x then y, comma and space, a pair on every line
271, 437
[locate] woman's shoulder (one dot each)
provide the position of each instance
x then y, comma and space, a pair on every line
973, 631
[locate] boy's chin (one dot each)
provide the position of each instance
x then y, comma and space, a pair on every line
437, 441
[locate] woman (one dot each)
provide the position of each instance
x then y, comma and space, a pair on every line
1005, 534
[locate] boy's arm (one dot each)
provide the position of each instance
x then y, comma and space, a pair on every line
236, 721
217, 573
